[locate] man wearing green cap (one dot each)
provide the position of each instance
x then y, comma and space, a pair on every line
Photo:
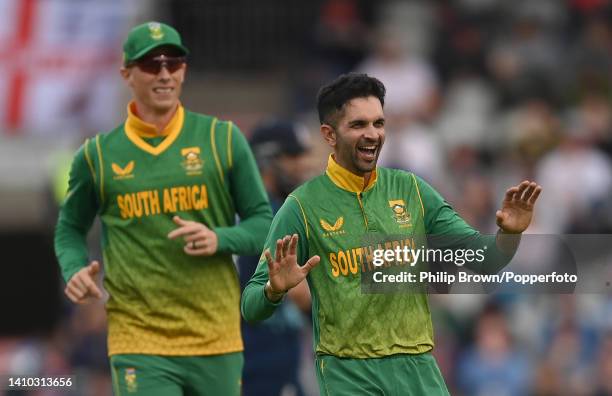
167, 185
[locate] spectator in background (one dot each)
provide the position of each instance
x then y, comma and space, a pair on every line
341, 34
272, 349
604, 367
412, 94
567, 209
525, 60
336, 44
410, 104
493, 366
590, 59
571, 346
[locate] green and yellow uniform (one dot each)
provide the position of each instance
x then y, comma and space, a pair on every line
335, 215
161, 300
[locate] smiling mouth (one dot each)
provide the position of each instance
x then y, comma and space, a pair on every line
368, 150
163, 90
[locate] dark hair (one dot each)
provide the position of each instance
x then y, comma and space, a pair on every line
333, 96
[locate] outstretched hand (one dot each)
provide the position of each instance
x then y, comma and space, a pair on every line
82, 287
517, 207
284, 271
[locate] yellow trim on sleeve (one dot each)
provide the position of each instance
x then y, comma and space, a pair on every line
214, 149
101, 168
419, 193
229, 144
136, 129
88, 159
303, 214
347, 180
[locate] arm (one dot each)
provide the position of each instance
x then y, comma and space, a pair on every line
251, 201
76, 216
259, 298
300, 296
441, 221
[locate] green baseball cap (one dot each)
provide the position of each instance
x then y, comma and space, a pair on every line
143, 38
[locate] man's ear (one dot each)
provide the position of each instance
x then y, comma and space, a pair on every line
329, 134
125, 73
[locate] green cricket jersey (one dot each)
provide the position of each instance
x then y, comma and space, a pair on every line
335, 215
163, 301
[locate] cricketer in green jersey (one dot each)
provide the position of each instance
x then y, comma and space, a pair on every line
370, 344
167, 185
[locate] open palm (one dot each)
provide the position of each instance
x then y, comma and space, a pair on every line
517, 207
284, 271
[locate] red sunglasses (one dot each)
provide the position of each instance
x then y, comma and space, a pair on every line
154, 65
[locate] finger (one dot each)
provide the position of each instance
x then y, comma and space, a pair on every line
180, 222
92, 288
535, 195
510, 193
78, 300
78, 282
500, 217
202, 251
272, 265
71, 295
279, 248
184, 230
75, 291
93, 268
196, 245
269, 259
528, 191
286, 241
196, 236
310, 264
522, 187
293, 245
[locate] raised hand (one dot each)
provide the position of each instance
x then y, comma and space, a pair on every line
82, 287
284, 271
199, 239
517, 207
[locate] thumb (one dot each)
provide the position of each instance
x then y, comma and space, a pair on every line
500, 217
94, 268
310, 264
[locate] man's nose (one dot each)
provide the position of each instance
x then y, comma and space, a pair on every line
164, 73
372, 133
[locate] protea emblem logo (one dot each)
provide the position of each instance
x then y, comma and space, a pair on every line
156, 31
400, 215
192, 162
130, 380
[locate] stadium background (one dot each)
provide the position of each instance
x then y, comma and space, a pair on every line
482, 94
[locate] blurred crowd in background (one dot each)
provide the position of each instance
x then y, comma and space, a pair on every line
481, 94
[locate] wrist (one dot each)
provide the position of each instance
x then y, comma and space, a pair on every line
272, 294
502, 231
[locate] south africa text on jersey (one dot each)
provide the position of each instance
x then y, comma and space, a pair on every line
173, 199
361, 259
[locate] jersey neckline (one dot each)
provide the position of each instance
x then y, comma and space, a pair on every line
136, 130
